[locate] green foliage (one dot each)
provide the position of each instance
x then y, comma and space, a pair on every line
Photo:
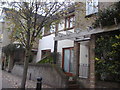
107, 16
11, 48
48, 59
107, 56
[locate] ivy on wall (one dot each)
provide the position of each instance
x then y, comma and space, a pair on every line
108, 56
109, 16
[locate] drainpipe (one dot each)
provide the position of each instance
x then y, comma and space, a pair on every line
55, 50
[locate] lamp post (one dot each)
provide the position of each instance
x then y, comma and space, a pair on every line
2, 22
55, 49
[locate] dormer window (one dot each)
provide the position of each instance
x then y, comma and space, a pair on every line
91, 7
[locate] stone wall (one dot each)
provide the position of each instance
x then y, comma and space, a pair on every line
83, 21
106, 84
51, 74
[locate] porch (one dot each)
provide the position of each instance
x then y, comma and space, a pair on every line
81, 63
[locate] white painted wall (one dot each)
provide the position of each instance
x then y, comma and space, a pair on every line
64, 44
45, 43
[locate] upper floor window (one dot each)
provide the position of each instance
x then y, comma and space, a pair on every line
61, 25
52, 28
70, 22
48, 29
67, 23
91, 6
43, 30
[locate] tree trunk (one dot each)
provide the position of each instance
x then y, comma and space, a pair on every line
26, 62
10, 64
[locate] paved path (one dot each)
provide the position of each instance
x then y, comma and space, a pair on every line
0, 78
11, 81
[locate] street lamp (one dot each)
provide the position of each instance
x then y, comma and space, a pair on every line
2, 22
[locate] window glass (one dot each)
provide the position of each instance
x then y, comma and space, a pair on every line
45, 53
71, 21
42, 31
66, 60
52, 28
67, 22
91, 6
61, 25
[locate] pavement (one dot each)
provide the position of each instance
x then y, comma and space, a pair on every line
0, 78
8, 80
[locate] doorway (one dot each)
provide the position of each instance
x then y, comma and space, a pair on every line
68, 54
84, 59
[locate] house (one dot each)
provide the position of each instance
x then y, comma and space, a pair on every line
74, 38
76, 41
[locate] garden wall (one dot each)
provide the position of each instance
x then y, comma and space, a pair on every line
106, 84
51, 74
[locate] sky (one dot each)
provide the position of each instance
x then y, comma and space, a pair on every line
60, 0
51, 1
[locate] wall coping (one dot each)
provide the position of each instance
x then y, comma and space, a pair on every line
55, 67
33, 64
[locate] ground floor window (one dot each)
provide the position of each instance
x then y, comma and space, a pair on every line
45, 53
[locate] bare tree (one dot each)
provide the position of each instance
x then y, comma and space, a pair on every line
28, 19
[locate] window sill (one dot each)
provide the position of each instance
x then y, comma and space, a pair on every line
90, 15
83, 77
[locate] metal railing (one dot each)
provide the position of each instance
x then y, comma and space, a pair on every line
83, 70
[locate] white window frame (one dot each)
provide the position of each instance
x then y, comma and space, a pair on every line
91, 7
61, 25
52, 28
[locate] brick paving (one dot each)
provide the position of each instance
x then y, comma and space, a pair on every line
14, 81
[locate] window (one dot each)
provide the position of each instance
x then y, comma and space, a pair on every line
70, 22
45, 53
52, 28
43, 31
91, 6
61, 25
48, 29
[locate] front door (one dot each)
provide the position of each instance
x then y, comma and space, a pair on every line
68, 60
84, 59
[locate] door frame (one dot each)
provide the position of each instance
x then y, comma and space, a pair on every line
67, 73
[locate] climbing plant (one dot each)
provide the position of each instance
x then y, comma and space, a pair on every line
109, 16
107, 56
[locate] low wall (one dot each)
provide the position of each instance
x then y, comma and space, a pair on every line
51, 74
106, 84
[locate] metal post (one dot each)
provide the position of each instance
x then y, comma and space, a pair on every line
55, 52
39, 83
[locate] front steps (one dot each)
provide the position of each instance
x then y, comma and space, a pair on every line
73, 84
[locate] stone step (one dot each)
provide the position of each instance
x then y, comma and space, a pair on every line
73, 86
72, 82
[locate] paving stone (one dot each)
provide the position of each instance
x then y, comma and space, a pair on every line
15, 81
